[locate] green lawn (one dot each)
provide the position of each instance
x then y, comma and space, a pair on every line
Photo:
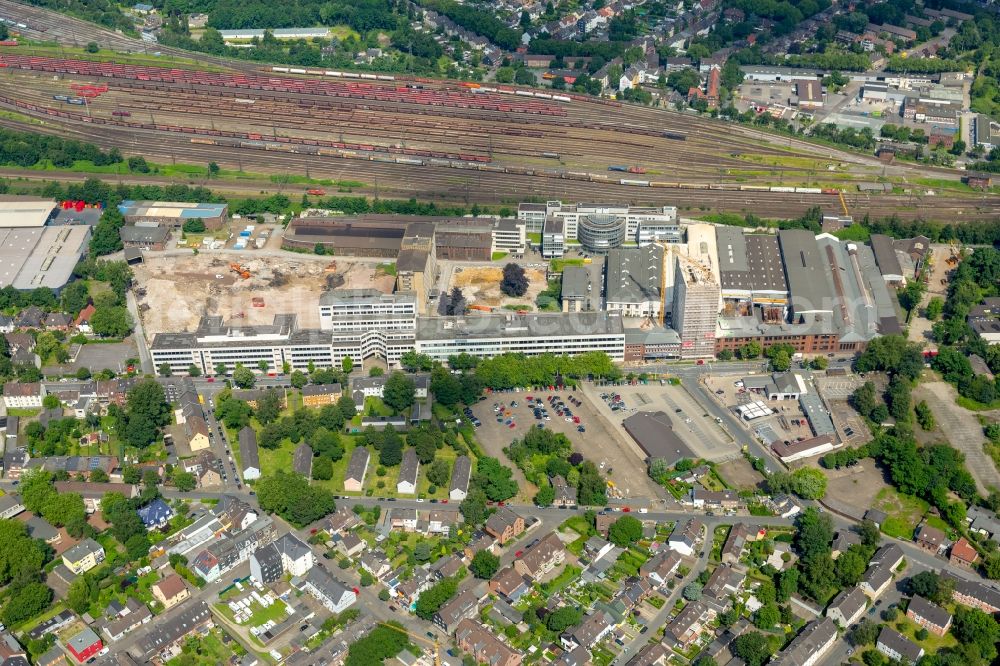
905, 512
275, 612
497, 256
932, 643
23, 413
558, 265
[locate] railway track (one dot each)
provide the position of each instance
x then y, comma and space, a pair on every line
434, 183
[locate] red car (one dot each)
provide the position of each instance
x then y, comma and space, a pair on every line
519, 553
626, 509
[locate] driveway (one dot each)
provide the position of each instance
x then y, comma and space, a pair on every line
964, 432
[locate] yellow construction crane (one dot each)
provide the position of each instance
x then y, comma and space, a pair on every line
843, 203
434, 643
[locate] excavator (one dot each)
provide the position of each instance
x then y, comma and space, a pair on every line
240, 270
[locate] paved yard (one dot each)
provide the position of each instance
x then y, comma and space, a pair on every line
600, 443
838, 388
963, 431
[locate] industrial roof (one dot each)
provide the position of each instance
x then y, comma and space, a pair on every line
178, 209
654, 434
52, 259
634, 275
807, 274
819, 418
25, 211
885, 255
749, 262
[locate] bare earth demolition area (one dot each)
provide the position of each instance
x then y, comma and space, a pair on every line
177, 291
481, 286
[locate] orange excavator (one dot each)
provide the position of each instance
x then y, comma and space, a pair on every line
240, 270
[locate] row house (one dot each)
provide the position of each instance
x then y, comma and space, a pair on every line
541, 558
930, 616
226, 554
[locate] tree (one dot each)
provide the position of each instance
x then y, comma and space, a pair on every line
93, 47
864, 633
752, 648
692, 591
934, 308
439, 472
545, 496
766, 616
192, 225
870, 534
78, 595
298, 379
494, 479
850, 566
563, 618
233, 413
456, 301
514, 282
184, 481
625, 531
51, 402
974, 627
25, 602
347, 364
322, 469
20, 555
111, 322
431, 599
243, 377
268, 407
213, 170
399, 392
99, 476
291, 497
473, 507
391, 453
326, 444
484, 564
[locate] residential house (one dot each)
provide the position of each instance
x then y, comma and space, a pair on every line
93, 492
974, 594
318, 395
659, 568
509, 584
685, 537
57, 321
931, 539
898, 647
588, 633
129, 617
687, 626
357, 468
249, 454
724, 582
876, 516
484, 646
504, 525
82, 321
343, 520
565, 495
847, 607
602, 523
169, 630
30, 317
351, 545
403, 520
596, 547
14, 462
288, 554
842, 541
302, 460
374, 562
889, 555
170, 591
462, 607
461, 472
409, 473
440, 521
726, 500
84, 645
876, 580
10, 506
23, 395
11, 652
928, 615
809, 646
84, 556
156, 514
334, 596
542, 557
739, 536
963, 554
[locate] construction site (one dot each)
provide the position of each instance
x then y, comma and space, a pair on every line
177, 291
481, 287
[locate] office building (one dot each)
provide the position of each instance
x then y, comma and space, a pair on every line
634, 281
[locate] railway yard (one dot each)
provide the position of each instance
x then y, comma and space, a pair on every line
451, 141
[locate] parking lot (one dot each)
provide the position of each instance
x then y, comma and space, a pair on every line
600, 442
696, 427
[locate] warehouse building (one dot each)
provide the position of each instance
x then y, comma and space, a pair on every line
346, 236
174, 213
144, 236
751, 274
807, 274
33, 257
25, 212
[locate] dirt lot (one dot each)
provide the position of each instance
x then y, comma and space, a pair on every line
855, 486
629, 471
481, 285
738, 472
180, 290
963, 429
